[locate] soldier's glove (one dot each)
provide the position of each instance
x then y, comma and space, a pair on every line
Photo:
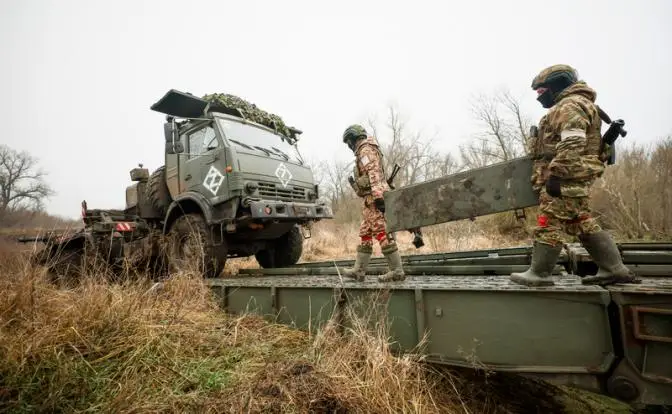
553, 186
380, 204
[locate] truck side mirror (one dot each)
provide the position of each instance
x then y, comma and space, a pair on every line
173, 146
176, 148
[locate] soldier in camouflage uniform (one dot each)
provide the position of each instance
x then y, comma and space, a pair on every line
369, 183
567, 163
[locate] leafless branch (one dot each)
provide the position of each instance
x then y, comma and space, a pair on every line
22, 184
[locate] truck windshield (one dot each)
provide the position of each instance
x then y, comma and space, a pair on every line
255, 139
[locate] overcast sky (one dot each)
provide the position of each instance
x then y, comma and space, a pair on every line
79, 76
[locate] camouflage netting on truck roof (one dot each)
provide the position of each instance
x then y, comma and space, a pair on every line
250, 111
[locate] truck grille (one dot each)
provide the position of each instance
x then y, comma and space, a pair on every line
270, 190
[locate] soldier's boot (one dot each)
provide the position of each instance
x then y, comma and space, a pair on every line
605, 254
544, 258
358, 272
396, 273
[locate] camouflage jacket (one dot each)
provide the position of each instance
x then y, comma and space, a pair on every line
568, 142
368, 170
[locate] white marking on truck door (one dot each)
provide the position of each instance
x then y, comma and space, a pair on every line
213, 180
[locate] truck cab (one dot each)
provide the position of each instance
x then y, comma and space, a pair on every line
236, 172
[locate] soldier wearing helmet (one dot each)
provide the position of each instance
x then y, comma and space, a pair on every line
369, 183
567, 162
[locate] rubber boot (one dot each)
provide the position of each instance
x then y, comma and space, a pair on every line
396, 273
544, 258
358, 272
605, 254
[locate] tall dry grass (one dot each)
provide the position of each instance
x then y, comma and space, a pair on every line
132, 347
126, 347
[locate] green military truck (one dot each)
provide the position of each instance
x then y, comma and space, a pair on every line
233, 185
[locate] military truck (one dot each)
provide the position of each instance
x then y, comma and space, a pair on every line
233, 185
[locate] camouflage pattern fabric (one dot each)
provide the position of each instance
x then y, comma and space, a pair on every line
563, 215
370, 180
568, 148
373, 226
569, 141
249, 110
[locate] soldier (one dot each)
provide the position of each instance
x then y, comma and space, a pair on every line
369, 183
567, 163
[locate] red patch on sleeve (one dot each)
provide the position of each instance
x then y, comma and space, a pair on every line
542, 221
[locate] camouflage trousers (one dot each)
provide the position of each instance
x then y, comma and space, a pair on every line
558, 215
373, 227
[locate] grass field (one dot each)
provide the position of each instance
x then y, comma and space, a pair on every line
123, 347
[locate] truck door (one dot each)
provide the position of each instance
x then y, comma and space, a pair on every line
204, 166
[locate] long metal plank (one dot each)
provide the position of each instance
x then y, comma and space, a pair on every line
509, 251
632, 256
410, 270
449, 282
642, 262
482, 191
412, 261
645, 246
653, 270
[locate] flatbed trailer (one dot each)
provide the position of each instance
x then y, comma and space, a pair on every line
615, 340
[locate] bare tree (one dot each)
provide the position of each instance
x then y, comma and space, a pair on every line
412, 151
505, 130
334, 184
22, 184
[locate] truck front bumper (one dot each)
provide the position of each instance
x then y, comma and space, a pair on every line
289, 210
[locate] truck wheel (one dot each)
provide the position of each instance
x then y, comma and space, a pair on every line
285, 251
159, 195
190, 247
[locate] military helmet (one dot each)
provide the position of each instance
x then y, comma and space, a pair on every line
564, 75
353, 132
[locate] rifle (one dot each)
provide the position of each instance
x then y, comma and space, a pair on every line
611, 135
395, 171
418, 242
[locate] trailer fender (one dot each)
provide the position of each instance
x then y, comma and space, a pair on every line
184, 204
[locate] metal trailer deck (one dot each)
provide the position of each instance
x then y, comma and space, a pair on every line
615, 340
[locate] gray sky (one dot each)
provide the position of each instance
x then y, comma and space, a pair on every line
78, 77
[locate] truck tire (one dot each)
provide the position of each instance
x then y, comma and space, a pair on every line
190, 247
159, 195
285, 251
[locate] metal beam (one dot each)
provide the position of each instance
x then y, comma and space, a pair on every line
483, 191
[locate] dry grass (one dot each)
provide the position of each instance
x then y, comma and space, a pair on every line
126, 347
